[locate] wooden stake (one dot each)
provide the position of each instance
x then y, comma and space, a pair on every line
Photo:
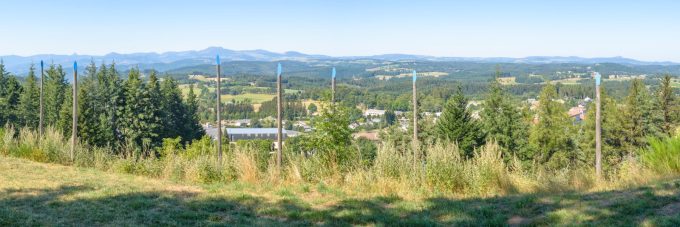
415, 123
218, 111
598, 129
74, 129
279, 106
42, 79
333, 87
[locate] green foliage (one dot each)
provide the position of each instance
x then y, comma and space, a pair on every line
668, 105
10, 92
551, 138
55, 92
201, 147
457, 125
641, 119
390, 117
140, 122
261, 151
30, 101
66, 113
326, 151
663, 156
613, 152
504, 122
312, 108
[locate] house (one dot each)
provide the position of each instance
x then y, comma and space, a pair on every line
578, 113
374, 113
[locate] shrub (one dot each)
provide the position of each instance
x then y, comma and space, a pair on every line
663, 156
203, 170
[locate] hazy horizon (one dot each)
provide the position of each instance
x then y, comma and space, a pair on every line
643, 31
333, 56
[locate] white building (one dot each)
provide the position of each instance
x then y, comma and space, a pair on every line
374, 113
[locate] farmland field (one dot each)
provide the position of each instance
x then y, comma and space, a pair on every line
254, 98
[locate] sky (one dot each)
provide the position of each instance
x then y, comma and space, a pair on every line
643, 30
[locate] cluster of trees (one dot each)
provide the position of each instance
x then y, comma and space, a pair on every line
549, 136
111, 111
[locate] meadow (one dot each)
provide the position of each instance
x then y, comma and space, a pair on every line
42, 185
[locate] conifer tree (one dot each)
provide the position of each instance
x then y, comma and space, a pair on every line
503, 122
641, 118
54, 93
551, 136
192, 124
114, 103
10, 93
30, 101
90, 108
3, 93
667, 104
155, 101
139, 125
64, 122
173, 110
457, 125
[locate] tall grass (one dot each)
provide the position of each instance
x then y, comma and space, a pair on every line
442, 170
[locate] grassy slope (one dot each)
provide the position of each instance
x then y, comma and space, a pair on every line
44, 194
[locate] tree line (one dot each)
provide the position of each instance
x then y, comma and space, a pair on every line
112, 111
548, 135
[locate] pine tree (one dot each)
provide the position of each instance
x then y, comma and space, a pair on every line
503, 122
90, 108
173, 110
667, 104
54, 93
551, 136
457, 125
3, 93
192, 125
10, 93
30, 101
641, 118
155, 100
65, 115
114, 104
139, 125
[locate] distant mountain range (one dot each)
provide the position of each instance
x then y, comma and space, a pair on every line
179, 59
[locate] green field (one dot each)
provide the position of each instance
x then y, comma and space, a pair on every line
46, 194
254, 98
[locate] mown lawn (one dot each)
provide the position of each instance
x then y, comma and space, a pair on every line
44, 194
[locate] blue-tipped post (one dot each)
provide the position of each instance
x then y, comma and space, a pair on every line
279, 117
333, 86
218, 109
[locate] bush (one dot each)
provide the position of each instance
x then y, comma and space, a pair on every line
663, 156
203, 170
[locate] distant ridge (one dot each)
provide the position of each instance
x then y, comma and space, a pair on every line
177, 59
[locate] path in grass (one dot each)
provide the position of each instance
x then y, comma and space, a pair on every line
44, 194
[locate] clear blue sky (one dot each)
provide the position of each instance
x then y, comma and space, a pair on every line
646, 30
